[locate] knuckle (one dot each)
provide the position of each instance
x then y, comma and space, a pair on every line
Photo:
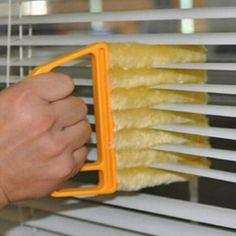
88, 128
84, 128
25, 111
37, 123
85, 131
78, 104
52, 147
42, 122
84, 151
17, 96
21, 98
83, 107
81, 155
65, 170
37, 118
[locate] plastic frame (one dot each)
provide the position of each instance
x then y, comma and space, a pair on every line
105, 163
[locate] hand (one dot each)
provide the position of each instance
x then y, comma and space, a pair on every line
42, 135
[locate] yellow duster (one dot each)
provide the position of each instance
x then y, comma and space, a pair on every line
133, 70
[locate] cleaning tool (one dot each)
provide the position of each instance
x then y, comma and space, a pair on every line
129, 126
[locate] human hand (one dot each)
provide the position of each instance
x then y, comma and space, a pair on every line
42, 135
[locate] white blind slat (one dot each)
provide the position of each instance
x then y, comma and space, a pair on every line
77, 82
61, 225
218, 66
137, 15
207, 88
87, 100
228, 66
174, 208
215, 110
33, 62
215, 153
124, 219
13, 229
225, 133
93, 138
92, 156
162, 38
91, 119
204, 172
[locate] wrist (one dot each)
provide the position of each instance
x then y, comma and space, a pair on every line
3, 199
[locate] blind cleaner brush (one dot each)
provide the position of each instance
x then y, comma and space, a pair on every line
135, 133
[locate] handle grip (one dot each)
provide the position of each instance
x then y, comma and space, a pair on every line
105, 163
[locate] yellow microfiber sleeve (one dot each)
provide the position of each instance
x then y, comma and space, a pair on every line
136, 55
146, 97
126, 119
136, 77
132, 71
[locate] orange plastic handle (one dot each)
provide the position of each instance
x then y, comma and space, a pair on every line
105, 164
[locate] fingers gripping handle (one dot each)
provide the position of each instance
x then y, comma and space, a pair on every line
105, 164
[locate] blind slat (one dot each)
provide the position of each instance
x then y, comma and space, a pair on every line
218, 66
225, 66
92, 156
162, 38
225, 133
78, 82
174, 208
228, 66
93, 138
87, 100
13, 229
204, 172
91, 119
215, 110
61, 225
124, 219
215, 153
208, 88
33, 62
137, 15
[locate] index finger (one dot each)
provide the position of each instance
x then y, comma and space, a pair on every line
51, 86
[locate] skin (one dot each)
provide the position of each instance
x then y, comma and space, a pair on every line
43, 132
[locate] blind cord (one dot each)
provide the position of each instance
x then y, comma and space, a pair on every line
8, 45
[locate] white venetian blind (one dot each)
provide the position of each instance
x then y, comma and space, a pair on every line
33, 32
